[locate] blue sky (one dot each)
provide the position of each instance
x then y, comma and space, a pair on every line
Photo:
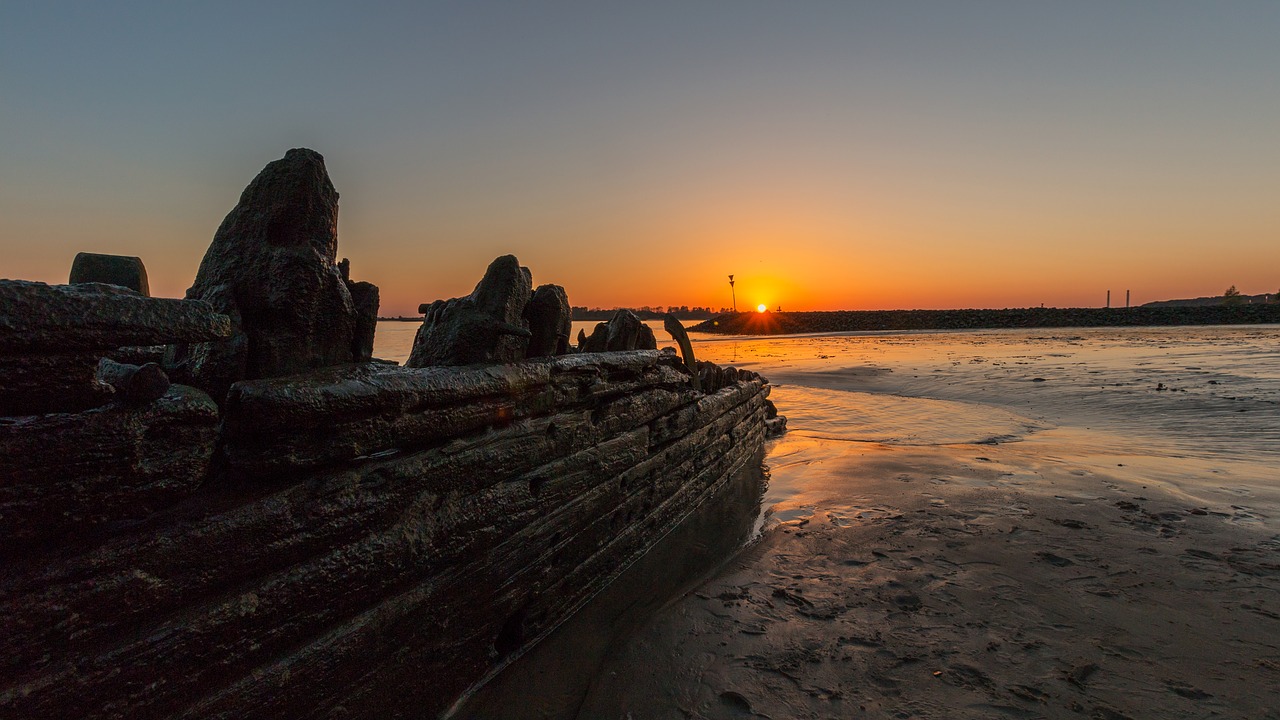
832, 154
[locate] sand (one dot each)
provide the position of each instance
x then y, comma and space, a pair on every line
955, 587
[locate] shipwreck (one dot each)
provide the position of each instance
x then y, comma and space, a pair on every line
224, 506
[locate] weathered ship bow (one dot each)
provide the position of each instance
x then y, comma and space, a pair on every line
376, 540
313, 534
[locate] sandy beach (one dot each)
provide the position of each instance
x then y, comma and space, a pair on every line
965, 585
970, 525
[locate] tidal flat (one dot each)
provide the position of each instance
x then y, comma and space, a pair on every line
1040, 523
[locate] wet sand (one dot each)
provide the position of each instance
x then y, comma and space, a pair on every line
968, 525
968, 582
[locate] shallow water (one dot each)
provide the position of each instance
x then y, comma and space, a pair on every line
1193, 409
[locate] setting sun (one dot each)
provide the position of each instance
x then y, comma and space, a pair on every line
761, 307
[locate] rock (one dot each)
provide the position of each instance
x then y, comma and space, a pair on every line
364, 298
271, 268
486, 326
456, 332
775, 424
623, 331
123, 270
503, 293
133, 384
37, 318
550, 321
597, 341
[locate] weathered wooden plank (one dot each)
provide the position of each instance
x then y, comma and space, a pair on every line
399, 648
336, 414
53, 383
63, 474
194, 557
37, 318
261, 608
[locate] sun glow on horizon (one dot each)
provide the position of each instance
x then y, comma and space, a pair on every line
761, 308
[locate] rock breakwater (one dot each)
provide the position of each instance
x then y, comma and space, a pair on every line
781, 323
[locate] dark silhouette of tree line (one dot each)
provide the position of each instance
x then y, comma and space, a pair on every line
648, 312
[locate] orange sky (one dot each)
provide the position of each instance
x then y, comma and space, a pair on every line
848, 156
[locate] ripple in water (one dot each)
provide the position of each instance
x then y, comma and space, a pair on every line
889, 419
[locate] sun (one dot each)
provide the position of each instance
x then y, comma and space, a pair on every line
761, 307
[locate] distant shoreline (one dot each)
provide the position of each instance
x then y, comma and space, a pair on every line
785, 323
583, 315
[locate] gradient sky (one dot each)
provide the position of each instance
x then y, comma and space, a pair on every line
830, 154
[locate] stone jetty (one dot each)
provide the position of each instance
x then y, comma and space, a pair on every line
779, 323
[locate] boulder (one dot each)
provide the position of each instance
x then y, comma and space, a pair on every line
550, 321
364, 298
775, 425
272, 269
486, 326
503, 293
623, 331
597, 341
123, 270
